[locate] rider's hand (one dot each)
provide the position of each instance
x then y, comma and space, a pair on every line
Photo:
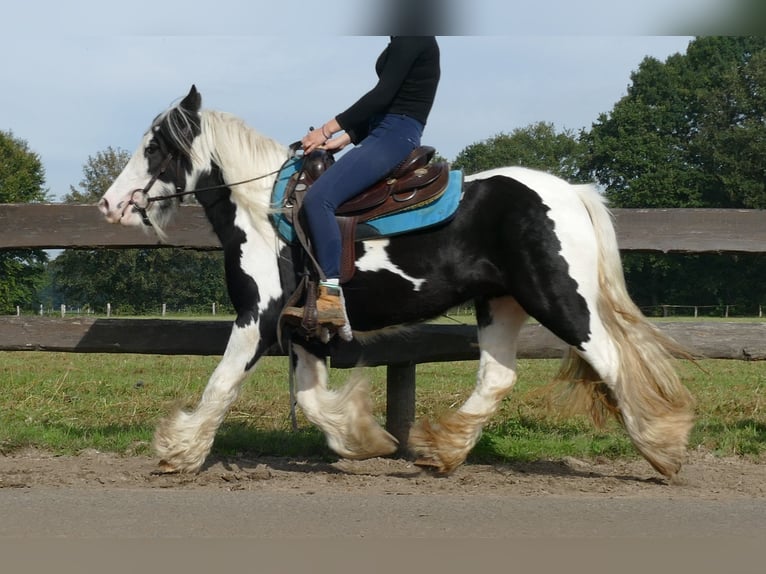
312, 140
337, 143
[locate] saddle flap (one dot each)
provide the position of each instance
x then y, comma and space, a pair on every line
368, 199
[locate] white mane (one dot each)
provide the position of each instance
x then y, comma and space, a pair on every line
242, 154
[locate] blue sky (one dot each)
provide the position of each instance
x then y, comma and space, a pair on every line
88, 75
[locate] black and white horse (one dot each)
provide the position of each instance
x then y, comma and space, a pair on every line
523, 243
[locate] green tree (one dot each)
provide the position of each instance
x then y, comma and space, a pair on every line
538, 146
690, 132
22, 180
99, 172
683, 127
133, 280
731, 142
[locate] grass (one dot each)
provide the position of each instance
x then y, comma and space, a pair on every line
66, 402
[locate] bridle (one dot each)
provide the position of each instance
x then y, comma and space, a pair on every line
144, 201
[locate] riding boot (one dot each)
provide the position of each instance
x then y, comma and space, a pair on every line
330, 312
331, 309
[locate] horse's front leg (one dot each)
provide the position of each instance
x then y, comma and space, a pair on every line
445, 445
184, 440
344, 416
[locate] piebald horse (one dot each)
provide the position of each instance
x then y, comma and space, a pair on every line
522, 243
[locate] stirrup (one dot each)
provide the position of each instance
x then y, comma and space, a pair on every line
323, 314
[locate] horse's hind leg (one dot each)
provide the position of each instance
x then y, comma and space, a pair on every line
626, 368
445, 444
344, 415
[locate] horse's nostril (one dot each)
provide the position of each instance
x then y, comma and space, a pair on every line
103, 205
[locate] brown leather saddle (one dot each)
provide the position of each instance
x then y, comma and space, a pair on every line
415, 182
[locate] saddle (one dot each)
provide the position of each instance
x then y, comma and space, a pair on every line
413, 183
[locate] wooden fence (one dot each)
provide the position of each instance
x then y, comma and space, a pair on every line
74, 226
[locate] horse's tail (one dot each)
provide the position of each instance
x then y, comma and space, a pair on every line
646, 395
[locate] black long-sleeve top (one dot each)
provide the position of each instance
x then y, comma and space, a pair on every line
408, 75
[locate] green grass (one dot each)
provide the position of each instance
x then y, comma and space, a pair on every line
66, 402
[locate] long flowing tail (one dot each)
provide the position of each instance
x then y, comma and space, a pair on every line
647, 395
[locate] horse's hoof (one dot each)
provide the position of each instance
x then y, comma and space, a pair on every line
432, 464
164, 467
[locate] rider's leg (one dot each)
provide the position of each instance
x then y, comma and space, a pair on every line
387, 145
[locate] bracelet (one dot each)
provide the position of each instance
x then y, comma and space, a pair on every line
324, 134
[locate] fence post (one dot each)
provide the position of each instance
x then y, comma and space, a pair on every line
63, 310
41, 309
213, 308
164, 308
108, 310
400, 402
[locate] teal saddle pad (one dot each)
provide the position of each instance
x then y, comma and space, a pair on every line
439, 211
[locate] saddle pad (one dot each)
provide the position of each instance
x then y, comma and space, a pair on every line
434, 213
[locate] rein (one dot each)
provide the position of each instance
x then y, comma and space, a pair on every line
141, 204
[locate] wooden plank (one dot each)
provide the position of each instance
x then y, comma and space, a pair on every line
691, 230
721, 340
439, 343
422, 344
90, 335
52, 226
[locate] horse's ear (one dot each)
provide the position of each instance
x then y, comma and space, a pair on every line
193, 100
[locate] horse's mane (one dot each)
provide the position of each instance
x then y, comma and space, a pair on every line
240, 152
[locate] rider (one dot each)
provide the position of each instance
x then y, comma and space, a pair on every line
385, 125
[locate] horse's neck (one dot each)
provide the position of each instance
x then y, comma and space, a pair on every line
240, 154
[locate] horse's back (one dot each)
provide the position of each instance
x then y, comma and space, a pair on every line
552, 189
526, 195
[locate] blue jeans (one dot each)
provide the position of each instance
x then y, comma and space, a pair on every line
389, 142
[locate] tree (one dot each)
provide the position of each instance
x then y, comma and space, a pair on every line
22, 180
99, 172
690, 132
683, 127
732, 134
133, 280
537, 146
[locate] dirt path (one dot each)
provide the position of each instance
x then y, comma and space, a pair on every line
703, 477
283, 515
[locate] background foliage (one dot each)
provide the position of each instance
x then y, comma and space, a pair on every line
689, 132
133, 280
22, 180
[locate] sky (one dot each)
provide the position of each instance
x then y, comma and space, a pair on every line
78, 76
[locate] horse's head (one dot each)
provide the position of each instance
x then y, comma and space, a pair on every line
161, 167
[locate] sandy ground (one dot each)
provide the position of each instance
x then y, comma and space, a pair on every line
383, 515
703, 477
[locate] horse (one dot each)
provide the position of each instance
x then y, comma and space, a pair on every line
522, 243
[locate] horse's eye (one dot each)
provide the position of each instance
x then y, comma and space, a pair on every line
151, 149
